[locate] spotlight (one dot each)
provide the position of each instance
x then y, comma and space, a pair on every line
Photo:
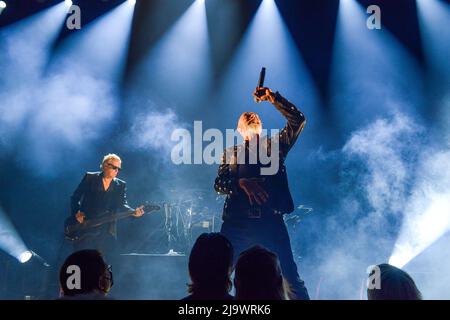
69, 3
2, 6
132, 2
25, 256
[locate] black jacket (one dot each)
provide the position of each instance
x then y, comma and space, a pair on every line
280, 199
91, 198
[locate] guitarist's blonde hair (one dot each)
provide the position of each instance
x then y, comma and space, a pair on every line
110, 156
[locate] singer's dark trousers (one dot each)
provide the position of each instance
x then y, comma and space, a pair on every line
271, 234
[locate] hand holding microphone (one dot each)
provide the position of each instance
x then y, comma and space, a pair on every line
262, 93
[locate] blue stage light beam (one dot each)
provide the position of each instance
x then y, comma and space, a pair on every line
99, 48
266, 43
373, 76
26, 44
24, 52
422, 228
372, 73
177, 68
69, 101
434, 17
429, 216
10, 240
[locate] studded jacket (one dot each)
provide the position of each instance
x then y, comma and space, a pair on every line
280, 199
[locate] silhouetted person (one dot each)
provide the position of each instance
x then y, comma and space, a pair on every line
210, 267
395, 284
85, 275
258, 276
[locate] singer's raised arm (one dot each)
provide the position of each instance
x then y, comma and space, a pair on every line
295, 123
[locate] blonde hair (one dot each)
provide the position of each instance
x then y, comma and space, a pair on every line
110, 156
249, 124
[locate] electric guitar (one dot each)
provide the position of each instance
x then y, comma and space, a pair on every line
75, 231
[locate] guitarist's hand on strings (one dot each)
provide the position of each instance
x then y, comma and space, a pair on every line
139, 212
80, 216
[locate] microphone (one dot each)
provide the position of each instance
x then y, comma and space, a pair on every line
262, 75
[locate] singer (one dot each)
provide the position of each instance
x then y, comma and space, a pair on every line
255, 203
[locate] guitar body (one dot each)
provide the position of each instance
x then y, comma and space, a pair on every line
75, 231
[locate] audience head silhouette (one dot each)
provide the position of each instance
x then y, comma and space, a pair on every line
210, 267
395, 284
258, 276
84, 274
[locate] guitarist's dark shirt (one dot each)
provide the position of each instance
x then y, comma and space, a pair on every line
91, 198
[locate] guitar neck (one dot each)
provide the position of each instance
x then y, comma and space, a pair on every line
117, 216
73, 230
110, 218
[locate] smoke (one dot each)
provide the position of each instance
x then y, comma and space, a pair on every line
150, 135
428, 216
152, 131
46, 117
389, 175
387, 149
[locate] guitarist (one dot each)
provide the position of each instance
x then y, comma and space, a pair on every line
97, 194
